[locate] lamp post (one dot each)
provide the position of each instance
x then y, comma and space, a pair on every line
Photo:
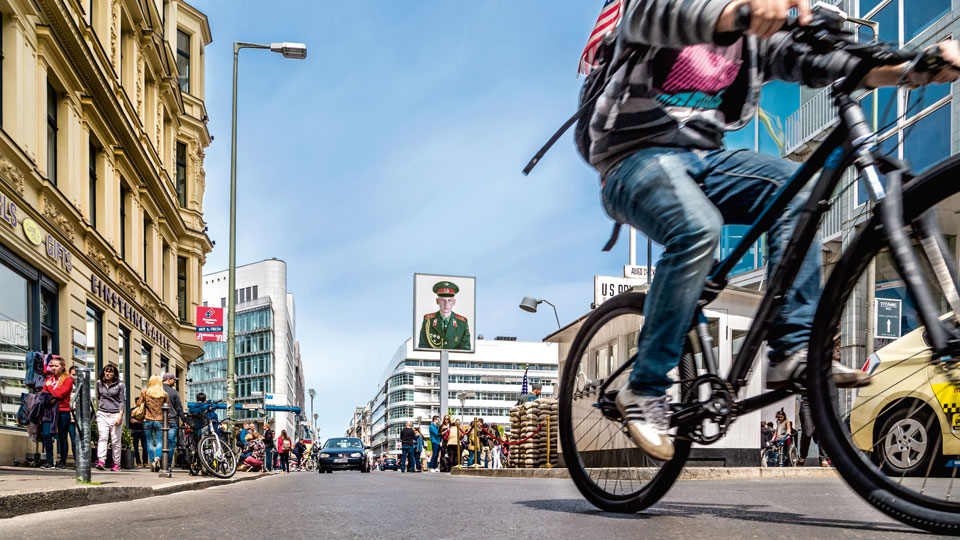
312, 393
288, 50
530, 304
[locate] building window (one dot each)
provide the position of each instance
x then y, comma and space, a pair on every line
255, 292
223, 302
920, 15
183, 60
94, 344
1, 64
52, 101
146, 248
123, 361
164, 365
927, 141
146, 365
182, 287
182, 174
92, 185
123, 223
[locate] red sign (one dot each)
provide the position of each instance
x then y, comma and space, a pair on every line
210, 324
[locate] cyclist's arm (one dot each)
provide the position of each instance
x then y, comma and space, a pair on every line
671, 23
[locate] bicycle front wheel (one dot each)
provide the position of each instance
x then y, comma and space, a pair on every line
893, 441
608, 468
216, 457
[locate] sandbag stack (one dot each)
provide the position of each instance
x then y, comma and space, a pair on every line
548, 409
529, 421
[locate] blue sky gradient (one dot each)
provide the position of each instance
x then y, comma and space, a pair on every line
396, 147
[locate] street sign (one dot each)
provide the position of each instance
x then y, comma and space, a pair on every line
276, 399
639, 272
888, 312
251, 406
606, 287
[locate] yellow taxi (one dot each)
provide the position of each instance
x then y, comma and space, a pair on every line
908, 418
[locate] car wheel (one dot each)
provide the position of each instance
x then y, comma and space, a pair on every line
908, 441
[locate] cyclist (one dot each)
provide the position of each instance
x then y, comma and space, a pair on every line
656, 138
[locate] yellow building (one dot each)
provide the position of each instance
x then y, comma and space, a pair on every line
102, 137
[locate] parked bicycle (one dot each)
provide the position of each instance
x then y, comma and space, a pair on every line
782, 453
615, 475
204, 450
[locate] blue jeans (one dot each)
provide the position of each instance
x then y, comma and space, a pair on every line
63, 427
154, 434
406, 459
681, 199
268, 455
171, 442
434, 454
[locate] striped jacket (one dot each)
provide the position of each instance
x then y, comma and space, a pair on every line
627, 117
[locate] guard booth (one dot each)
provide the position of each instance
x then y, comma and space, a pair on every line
730, 316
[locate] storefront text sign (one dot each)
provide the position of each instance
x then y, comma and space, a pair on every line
210, 324
55, 250
127, 311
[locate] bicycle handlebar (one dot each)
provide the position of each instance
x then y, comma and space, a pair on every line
825, 34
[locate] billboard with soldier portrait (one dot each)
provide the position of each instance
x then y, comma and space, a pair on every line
444, 309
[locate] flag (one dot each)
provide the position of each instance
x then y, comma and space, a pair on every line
523, 387
609, 18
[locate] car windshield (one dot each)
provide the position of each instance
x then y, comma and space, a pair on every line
333, 444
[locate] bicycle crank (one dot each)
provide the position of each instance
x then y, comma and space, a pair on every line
707, 421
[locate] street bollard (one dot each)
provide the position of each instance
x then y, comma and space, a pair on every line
165, 445
83, 419
548, 465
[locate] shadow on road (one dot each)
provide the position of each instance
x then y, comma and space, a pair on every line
747, 512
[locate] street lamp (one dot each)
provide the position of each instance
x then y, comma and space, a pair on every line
530, 303
312, 394
288, 50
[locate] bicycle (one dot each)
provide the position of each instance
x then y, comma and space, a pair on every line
310, 464
204, 450
614, 475
776, 454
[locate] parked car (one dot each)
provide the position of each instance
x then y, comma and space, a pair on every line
343, 454
390, 463
910, 413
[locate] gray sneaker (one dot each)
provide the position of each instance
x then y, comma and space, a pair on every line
647, 422
794, 368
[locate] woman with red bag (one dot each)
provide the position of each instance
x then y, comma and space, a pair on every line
284, 445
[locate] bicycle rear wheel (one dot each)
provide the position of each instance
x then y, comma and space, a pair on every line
217, 459
892, 441
608, 468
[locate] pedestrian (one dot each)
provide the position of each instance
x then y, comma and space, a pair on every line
436, 442
782, 436
418, 449
255, 452
473, 444
284, 445
808, 432
485, 443
269, 448
452, 435
495, 446
766, 434
407, 444
139, 442
175, 415
154, 397
56, 419
111, 400
71, 430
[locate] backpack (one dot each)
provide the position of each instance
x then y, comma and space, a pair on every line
592, 88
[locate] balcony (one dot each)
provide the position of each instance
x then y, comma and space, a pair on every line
809, 125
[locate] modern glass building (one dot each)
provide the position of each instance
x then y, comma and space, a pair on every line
267, 354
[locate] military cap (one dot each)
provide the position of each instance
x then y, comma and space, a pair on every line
537, 386
446, 288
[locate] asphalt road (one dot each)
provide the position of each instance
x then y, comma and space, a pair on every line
436, 506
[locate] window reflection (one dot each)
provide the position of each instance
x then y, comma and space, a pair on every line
928, 140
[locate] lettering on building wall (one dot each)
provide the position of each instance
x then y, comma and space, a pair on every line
55, 250
8, 211
127, 311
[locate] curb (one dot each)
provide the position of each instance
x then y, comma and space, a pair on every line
689, 473
30, 503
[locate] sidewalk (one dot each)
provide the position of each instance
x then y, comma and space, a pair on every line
27, 490
689, 473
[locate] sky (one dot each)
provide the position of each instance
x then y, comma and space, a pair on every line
396, 147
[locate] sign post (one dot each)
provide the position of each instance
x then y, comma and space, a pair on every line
888, 316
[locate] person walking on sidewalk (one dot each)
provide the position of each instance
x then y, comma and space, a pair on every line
284, 445
418, 449
58, 383
176, 412
408, 439
436, 442
111, 399
154, 397
269, 448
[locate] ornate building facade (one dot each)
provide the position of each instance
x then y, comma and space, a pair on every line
102, 135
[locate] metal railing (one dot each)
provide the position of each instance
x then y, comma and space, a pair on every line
812, 119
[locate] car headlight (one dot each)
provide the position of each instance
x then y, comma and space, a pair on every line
356, 454
324, 455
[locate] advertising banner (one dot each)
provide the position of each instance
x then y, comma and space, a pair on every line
444, 312
210, 324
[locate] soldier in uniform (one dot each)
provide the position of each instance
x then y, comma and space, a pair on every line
445, 329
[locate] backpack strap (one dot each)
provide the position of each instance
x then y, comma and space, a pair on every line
614, 235
576, 116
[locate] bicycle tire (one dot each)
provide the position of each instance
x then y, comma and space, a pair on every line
899, 502
221, 466
625, 304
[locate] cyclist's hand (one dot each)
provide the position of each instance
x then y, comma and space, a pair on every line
950, 51
766, 16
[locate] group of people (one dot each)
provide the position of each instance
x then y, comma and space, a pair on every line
451, 444
262, 453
